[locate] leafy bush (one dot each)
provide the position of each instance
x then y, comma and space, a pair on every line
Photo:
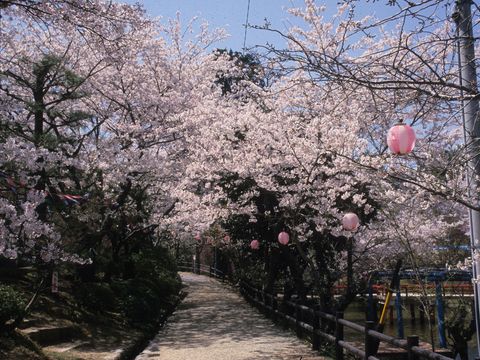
142, 304
142, 285
167, 285
12, 304
144, 300
153, 263
96, 296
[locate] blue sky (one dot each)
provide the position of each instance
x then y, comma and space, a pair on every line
231, 15
228, 14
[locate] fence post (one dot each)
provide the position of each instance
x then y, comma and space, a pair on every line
370, 300
412, 340
398, 306
421, 314
264, 302
298, 319
369, 341
338, 336
284, 310
274, 307
441, 315
316, 327
197, 259
412, 311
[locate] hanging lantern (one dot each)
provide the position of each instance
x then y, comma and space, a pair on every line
283, 238
401, 139
255, 245
350, 221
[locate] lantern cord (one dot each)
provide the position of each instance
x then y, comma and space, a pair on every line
246, 27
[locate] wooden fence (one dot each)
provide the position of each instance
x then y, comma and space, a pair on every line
202, 269
306, 320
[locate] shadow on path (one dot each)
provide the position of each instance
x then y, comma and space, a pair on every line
214, 322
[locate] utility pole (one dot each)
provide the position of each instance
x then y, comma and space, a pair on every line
471, 127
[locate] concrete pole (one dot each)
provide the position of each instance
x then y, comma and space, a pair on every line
468, 80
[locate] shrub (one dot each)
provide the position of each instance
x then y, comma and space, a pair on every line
167, 285
153, 263
12, 304
144, 300
95, 296
143, 303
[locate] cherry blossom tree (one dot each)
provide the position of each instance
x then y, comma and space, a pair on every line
95, 100
100, 100
315, 140
47, 62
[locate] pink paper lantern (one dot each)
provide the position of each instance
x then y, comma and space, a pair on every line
197, 236
350, 221
401, 139
255, 245
283, 238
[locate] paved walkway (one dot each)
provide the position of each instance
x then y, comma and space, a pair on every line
215, 323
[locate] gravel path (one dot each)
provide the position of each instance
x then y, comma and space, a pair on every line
215, 323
